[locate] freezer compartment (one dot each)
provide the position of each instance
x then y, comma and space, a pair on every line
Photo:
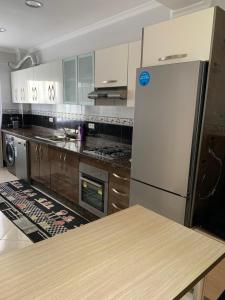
164, 203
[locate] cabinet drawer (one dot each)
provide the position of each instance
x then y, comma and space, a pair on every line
189, 36
118, 196
120, 176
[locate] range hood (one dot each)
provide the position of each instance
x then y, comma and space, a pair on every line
109, 93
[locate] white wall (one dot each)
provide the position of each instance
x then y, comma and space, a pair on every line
5, 81
220, 3
124, 31
5, 88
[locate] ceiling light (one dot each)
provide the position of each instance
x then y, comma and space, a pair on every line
2, 29
33, 3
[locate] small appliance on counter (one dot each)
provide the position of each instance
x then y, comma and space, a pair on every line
14, 122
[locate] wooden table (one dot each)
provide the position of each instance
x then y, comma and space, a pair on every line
134, 254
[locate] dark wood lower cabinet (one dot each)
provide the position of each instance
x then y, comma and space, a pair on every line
58, 170
44, 165
40, 163
34, 161
119, 190
65, 174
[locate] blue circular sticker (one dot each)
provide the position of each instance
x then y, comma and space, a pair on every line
144, 78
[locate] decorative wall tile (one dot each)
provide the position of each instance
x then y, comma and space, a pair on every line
89, 118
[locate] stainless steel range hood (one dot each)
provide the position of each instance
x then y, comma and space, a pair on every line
109, 93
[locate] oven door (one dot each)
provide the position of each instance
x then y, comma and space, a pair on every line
93, 195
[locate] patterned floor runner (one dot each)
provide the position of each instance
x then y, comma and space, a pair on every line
37, 215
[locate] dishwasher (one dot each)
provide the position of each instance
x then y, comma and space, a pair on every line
21, 158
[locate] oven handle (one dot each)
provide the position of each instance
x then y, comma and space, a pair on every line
91, 182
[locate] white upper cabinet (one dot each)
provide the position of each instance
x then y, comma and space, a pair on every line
78, 78
181, 39
40, 84
85, 80
49, 82
133, 64
31, 85
70, 80
111, 66
15, 87
19, 84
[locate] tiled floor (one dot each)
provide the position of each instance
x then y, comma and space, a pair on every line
11, 238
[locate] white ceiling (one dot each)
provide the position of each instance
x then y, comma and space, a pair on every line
29, 28
178, 4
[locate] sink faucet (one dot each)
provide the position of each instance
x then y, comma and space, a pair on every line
64, 130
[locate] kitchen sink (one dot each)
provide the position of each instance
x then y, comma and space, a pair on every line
55, 138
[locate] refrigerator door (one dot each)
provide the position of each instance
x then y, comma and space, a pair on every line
164, 123
161, 202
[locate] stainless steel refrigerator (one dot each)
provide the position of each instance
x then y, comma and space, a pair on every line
167, 131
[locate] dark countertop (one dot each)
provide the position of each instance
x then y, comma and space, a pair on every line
73, 146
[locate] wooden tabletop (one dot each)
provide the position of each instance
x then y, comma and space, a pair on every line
134, 254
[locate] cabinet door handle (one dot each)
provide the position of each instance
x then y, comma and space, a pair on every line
108, 81
40, 152
60, 156
33, 95
120, 177
175, 56
53, 93
114, 205
49, 93
36, 151
65, 157
119, 193
35, 89
16, 94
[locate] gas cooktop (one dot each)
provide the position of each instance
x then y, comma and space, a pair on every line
110, 152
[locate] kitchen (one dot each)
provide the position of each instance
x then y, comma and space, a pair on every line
74, 130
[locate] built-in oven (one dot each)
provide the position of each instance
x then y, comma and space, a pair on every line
93, 189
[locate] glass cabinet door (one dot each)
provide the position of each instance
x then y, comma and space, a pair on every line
70, 80
85, 82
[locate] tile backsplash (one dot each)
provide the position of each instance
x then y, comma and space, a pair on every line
101, 114
115, 122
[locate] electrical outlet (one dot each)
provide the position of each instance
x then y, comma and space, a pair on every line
91, 126
51, 120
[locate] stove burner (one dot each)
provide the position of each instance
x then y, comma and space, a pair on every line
110, 152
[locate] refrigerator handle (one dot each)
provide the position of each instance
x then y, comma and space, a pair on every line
175, 56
